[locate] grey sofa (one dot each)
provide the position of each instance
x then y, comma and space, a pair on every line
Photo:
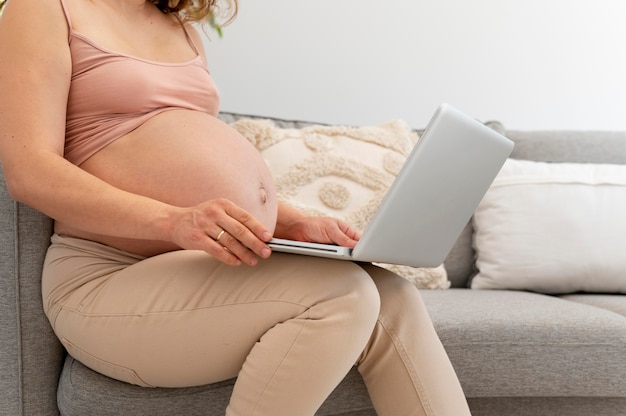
516, 353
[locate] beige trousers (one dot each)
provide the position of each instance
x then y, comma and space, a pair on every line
289, 329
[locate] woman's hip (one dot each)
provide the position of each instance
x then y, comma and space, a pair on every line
74, 267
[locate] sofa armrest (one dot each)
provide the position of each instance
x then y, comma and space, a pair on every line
31, 357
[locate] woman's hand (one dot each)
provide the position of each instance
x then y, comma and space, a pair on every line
222, 229
325, 230
294, 225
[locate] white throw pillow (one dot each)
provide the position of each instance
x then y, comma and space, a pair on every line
553, 228
338, 171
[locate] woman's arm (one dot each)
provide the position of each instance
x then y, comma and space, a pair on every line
35, 72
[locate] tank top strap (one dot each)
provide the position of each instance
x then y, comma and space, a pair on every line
67, 18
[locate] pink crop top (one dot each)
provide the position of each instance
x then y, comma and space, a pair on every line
111, 93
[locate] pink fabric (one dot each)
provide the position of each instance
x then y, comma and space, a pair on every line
112, 93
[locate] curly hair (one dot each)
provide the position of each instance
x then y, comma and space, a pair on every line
199, 10
194, 10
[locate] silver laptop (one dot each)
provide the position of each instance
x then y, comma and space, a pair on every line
431, 200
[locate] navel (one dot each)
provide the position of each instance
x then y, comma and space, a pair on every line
263, 194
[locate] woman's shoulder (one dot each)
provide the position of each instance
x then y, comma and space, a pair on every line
34, 49
26, 22
194, 33
196, 38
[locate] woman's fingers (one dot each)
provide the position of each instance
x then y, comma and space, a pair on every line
227, 232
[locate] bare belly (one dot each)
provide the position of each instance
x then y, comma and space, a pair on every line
183, 158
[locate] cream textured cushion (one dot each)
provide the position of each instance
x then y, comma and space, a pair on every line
338, 171
553, 228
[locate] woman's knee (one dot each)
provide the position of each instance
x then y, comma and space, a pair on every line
397, 295
349, 296
365, 298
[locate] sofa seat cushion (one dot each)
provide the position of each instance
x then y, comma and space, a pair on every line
85, 392
548, 406
615, 303
521, 344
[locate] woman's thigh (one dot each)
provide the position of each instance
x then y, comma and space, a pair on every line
182, 318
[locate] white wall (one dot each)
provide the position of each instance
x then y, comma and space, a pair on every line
532, 64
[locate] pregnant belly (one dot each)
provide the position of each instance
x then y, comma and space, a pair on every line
183, 158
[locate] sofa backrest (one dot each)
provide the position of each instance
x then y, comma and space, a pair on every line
542, 146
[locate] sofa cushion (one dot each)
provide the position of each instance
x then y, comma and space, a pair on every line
548, 406
512, 344
85, 392
338, 171
553, 228
611, 302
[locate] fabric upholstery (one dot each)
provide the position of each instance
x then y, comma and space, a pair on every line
611, 302
83, 392
569, 146
547, 406
512, 344
30, 355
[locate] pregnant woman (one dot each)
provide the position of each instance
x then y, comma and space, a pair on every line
158, 273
